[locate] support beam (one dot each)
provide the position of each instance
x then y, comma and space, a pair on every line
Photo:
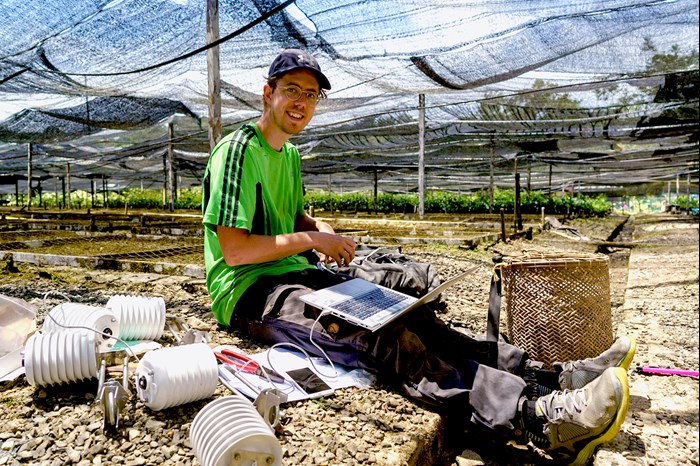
165, 179
213, 74
92, 192
29, 176
171, 177
421, 155
516, 200
104, 192
330, 192
491, 162
529, 173
375, 190
68, 183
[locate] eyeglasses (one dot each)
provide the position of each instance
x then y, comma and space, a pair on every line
295, 92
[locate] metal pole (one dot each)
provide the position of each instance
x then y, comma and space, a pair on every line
421, 155
213, 74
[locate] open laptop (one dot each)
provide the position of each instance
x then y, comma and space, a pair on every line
370, 305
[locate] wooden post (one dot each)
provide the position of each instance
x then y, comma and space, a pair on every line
687, 195
165, 179
668, 195
63, 191
550, 180
491, 151
330, 192
68, 183
17, 192
503, 225
518, 217
171, 178
104, 192
92, 192
178, 182
375, 191
529, 174
213, 74
542, 218
55, 190
29, 176
515, 192
421, 155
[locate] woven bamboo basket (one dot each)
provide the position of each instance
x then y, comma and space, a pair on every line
558, 306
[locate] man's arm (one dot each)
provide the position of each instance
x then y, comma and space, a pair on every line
241, 247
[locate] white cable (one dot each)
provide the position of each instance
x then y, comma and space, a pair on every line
309, 358
107, 335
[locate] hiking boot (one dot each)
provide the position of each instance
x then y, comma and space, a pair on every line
576, 421
578, 374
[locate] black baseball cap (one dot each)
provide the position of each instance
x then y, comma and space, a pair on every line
294, 59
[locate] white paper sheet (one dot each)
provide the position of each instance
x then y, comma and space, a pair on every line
283, 360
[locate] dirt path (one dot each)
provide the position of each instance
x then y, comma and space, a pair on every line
661, 312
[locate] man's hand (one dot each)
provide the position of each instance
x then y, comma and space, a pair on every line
330, 246
335, 248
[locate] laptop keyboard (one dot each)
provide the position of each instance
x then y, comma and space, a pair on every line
368, 304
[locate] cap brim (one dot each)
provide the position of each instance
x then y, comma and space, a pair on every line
323, 81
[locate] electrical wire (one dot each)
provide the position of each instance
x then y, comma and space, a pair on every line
106, 335
308, 357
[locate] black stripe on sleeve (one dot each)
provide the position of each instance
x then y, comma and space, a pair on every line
234, 168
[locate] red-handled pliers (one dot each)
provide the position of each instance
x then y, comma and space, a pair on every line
246, 364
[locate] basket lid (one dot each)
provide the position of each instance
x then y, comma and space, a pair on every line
530, 258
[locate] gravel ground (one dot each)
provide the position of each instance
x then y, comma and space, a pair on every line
657, 302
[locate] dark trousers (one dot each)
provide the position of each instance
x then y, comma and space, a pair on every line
429, 361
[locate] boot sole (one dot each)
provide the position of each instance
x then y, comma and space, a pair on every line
586, 452
627, 360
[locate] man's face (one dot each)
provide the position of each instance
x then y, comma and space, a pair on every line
287, 115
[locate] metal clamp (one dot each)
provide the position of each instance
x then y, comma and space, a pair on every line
189, 336
267, 401
268, 404
112, 395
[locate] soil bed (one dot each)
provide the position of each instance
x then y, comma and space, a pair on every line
60, 425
